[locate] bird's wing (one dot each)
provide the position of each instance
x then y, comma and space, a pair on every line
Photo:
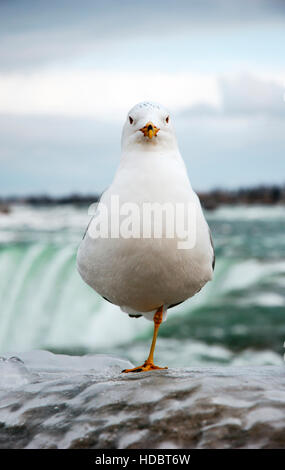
212, 244
88, 226
86, 230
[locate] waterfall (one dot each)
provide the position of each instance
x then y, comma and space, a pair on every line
44, 303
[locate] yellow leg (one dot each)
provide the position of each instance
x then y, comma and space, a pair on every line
149, 365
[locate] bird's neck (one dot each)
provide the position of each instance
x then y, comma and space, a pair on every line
146, 150
152, 164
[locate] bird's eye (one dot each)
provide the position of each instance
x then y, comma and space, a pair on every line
167, 119
131, 120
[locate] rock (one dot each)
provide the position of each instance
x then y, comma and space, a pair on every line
85, 402
4, 209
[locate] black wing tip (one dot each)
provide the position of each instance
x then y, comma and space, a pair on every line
213, 262
212, 244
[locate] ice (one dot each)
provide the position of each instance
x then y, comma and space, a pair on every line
57, 401
93, 364
13, 373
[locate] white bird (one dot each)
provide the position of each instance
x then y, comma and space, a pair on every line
147, 275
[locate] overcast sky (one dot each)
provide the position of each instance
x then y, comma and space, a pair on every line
70, 71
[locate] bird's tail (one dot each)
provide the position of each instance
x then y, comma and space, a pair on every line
147, 315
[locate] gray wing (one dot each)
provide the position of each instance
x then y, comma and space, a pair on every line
86, 230
212, 244
87, 227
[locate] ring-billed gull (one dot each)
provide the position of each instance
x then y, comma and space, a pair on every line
140, 263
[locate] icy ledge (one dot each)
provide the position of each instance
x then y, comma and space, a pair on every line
56, 401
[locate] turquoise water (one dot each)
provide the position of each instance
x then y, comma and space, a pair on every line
238, 318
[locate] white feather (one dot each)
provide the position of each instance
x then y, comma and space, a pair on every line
140, 274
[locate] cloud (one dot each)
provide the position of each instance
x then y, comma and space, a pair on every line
35, 33
108, 95
56, 155
60, 155
252, 95
244, 95
70, 71
102, 94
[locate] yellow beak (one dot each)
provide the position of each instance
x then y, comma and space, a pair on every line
149, 130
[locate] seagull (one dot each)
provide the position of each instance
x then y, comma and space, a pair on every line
143, 274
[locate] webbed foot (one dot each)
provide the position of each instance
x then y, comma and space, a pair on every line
144, 368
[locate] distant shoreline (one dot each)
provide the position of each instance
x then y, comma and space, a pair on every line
210, 200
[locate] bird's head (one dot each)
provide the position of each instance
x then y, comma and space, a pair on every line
149, 126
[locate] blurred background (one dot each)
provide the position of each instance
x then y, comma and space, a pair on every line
69, 73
